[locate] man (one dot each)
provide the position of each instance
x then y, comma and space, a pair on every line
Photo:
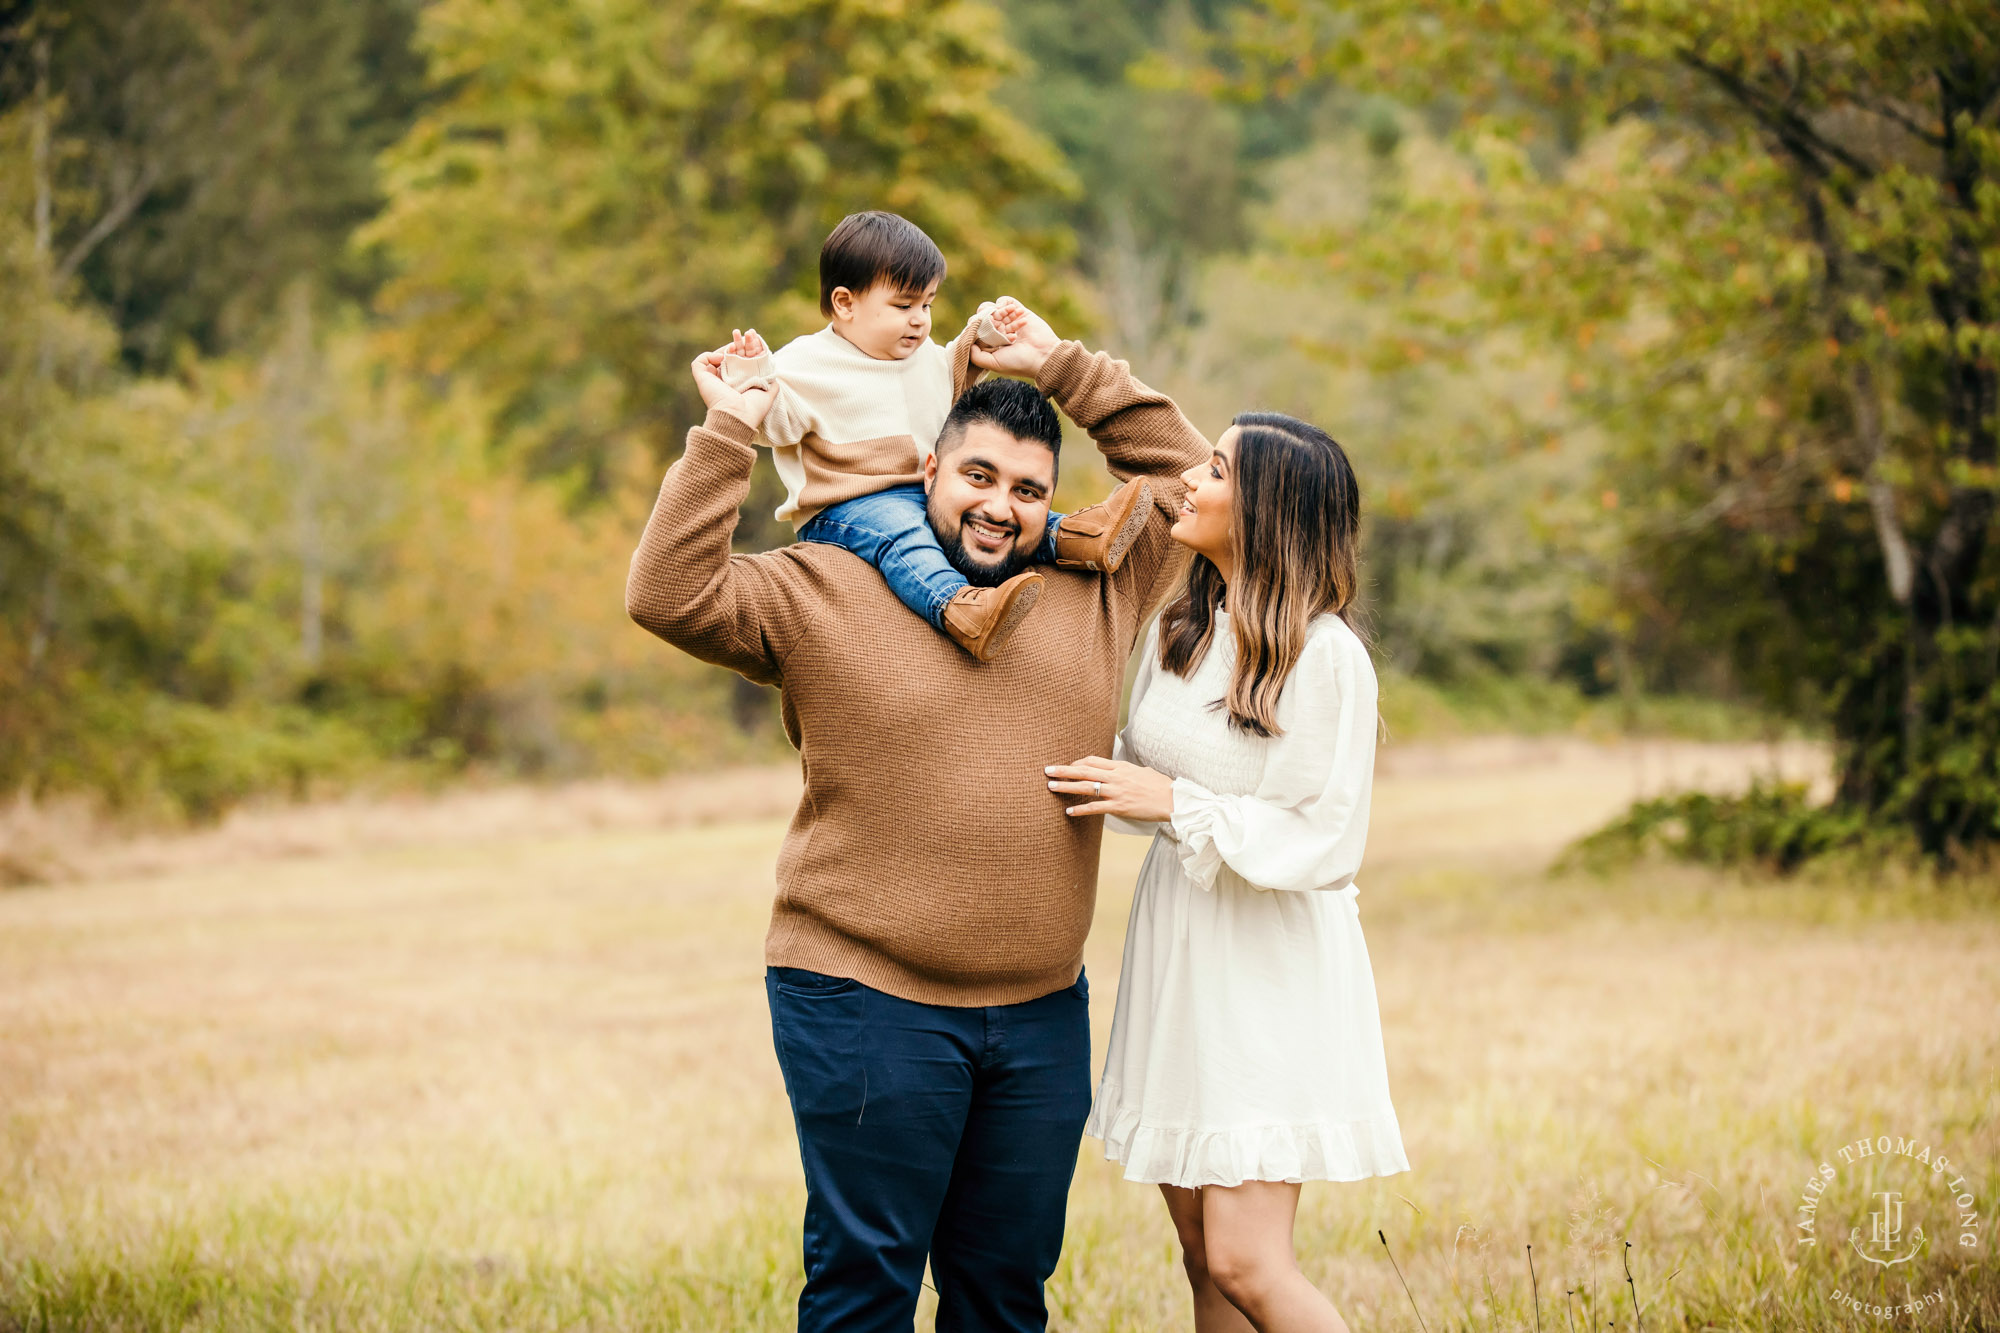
924, 962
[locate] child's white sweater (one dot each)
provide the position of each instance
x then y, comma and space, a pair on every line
843, 424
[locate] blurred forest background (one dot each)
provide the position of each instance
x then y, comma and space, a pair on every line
342, 346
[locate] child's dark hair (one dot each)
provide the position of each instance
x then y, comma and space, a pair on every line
867, 248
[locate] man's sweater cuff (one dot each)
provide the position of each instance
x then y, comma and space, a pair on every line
1063, 368
721, 421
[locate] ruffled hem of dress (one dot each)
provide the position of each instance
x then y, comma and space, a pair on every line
1191, 1158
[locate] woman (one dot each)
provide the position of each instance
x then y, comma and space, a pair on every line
1246, 1052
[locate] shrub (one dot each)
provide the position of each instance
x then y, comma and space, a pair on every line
1774, 826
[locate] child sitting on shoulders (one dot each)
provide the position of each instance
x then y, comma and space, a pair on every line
855, 414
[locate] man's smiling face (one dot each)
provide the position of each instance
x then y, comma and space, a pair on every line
989, 500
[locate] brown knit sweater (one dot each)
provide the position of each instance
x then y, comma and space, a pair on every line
927, 858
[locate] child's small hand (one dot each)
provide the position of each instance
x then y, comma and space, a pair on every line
1029, 340
991, 311
748, 404
747, 344
1011, 317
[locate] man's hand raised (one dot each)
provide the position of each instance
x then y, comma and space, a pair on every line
748, 405
1033, 341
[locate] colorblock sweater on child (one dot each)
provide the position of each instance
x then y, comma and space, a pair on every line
928, 857
844, 424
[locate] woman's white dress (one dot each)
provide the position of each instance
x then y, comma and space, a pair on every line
1247, 1044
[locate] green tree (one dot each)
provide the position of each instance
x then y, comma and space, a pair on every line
122, 639
1171, 171
1766, 239
209, 153
603, 190
1484, 532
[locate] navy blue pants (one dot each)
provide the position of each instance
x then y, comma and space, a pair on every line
929, 1131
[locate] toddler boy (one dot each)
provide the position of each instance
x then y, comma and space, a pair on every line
856, 411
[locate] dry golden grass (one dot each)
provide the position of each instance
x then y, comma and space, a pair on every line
506, 1063
68, 840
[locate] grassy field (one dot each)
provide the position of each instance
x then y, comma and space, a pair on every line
511, 1068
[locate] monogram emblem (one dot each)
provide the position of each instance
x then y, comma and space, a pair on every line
1886, 1232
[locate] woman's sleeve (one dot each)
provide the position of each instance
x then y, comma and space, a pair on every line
1149, 665
1307, 823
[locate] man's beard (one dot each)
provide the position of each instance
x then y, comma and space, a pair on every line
951, 536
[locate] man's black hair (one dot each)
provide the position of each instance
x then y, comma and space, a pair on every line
872, 247
1015, 406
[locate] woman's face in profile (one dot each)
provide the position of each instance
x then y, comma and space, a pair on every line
1204, 522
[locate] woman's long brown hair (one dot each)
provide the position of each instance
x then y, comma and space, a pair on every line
1295, 526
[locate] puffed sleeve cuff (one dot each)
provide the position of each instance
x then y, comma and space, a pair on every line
749, 372
985, 332
1198, 814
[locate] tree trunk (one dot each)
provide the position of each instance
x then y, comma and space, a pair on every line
292, 421
39, 131
749, 704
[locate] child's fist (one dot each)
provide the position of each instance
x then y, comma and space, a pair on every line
749, 405
985, 332
1029, 340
